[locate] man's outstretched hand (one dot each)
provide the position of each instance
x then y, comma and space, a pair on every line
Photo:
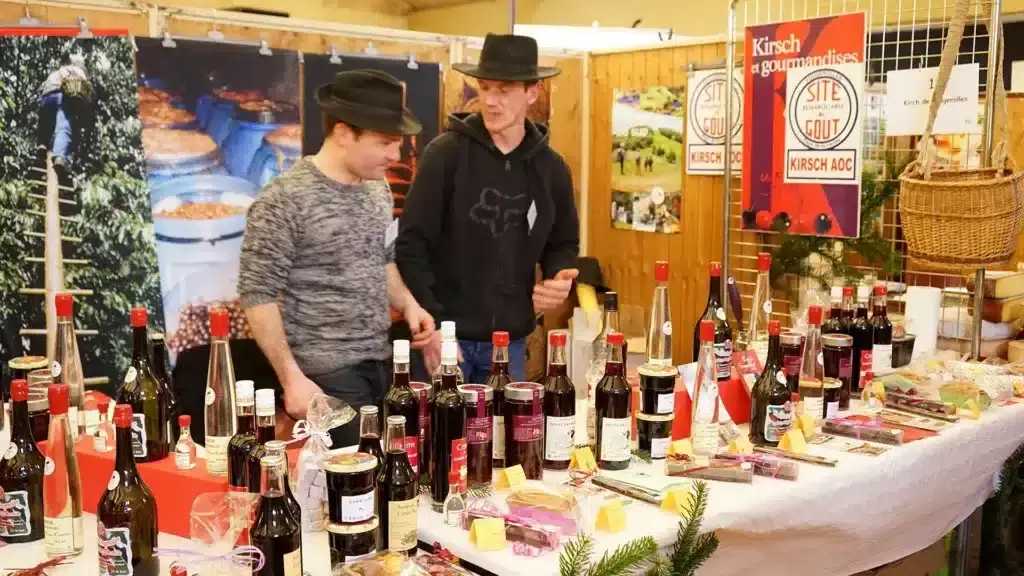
550, 294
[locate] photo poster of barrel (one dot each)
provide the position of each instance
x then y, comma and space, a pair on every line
83, 226
422, 96
647, 156
219, 121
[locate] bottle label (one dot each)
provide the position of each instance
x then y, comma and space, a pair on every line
55, 370
558, 434
211, 396
459, 459
293, 563
49, 466
11, 452
832, 409
115, 479
720, 313
347, 559
131, 375
659, 447
99, 440
479, 430
527, 428
357, 508
707, 402
454, 518
63, 534
723, 359
791, 365
139, 435
815, 407
182, 459
73, 421
499, 437
845, 367
115, 551
767, 306
666, 328
778, 421
866, 360
412, 450
402, 524
705, 438
881, 358
666, 403
15, 514
615, 439
217, 455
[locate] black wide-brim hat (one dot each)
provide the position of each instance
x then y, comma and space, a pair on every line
369, 100
508, 58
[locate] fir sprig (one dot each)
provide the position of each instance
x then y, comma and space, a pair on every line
626, 558
574, 558
693, 549
480, 491
642, 455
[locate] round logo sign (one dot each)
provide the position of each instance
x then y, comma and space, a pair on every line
12, 451
767, 307
821, 359
115, 479
49, 466
707, 108
666, 328
721, 314
55, 370
781, 377
131, 375
824, 109
210, 396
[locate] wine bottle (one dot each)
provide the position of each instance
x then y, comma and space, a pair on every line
659, 331
369, 435
276, 532
144, 393
401, 400
219, 414
447, 335
771, 406
715, 312
62, 484
497, 381
705, 417
66, 363
846, 321
397, 494
185, 448
761, 309
126, 518
863, 341
21, 475
881, 333
834, 324
559, 407
163, 375
266, 430
276, 448
447, 428
243, 442
614, 410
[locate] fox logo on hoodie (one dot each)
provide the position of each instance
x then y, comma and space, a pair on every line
498, 211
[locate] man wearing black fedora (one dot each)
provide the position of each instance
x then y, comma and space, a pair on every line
317, 270
489, 202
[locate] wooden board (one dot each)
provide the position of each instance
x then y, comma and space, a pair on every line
134, 21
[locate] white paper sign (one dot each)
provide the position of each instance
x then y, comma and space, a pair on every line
706, 125
824, 114
1017, 77
908, 93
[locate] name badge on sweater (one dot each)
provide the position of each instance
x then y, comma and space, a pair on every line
390, 234
531, 215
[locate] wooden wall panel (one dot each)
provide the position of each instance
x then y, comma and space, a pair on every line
135, 22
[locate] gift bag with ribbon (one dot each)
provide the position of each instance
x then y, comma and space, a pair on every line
962, 218
324, 413
217, 521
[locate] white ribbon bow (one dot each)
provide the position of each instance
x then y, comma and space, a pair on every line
303, 429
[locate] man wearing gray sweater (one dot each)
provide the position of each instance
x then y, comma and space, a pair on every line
317, 270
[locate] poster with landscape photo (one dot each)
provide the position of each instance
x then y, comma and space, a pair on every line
647, 154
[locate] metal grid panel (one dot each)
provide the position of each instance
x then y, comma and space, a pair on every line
903, 34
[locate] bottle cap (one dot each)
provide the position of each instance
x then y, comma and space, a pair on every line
369, 410
184, 421
454, 477
611, 301
449, 352
275, 447
837, 293
814, 315
764, 262
220, 323
396, 421
716, 269
707, 331
123, 416
499, 338
448, 328
847, 291
65, 304
57, 394
265, 402
881, 290
19, 390
773, 327
616, 338
661, 271
245, 391
140, 317
557, 338
104, 405
401, 351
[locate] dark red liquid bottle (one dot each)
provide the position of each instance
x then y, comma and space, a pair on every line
369, 434
276, 532
497, 381
559, 407
881, 332
614, 411
21, 475
447, 429
401, 400
397, 494
266, 430
244, 441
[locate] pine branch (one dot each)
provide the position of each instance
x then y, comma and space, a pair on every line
481, 491
686, 553
660, 566
643, 455
704, 548
576, 555
626, 558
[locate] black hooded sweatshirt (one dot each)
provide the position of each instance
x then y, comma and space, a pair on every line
478, 221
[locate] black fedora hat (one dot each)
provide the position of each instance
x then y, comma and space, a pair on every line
368, 99
509, 58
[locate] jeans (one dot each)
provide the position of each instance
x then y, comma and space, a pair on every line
362, 384
52, 103
476, 360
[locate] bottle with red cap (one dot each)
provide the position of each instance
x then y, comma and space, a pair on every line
659, 330
185, 449
715, 312
65, 361
219, 415
498, 379
401, 400
21, 475
559, 406
126, 517
705, 413
812, 368
833, 324
771, 406
761, 309
614, 410
103, 437
881, 330
846, 321
145, 394
62, 483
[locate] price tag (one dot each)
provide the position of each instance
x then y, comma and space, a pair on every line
909, 94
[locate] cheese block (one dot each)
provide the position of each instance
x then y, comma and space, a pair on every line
741, 445
805, 423
582, 459
972, 410
675, 500
1000, 284
989, 348
510, 477
681, 447
1000, 310
794, 441
611, 517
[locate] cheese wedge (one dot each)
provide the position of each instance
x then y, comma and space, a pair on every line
582, 459
973, 411
741, 445
611, 517
794, 441
681, 447
806, 424
510, 477
675, 500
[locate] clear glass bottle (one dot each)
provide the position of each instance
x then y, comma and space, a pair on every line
704, 426
220, 395
277, 448
659, 331
185, 449
761, 309
454, 503
103, 437
812, 369
369, 434
275, 531
609, 324
62, 483
65, 361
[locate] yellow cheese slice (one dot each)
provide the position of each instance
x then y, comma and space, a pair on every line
681, 447
582, 459
675, 500
741, 445
611, 517
805, 423
488, 533
974, 412
794, 441
510, 477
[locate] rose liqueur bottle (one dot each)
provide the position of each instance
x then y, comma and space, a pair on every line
771, 406
66, 363
369, 435
834, 324
266, 429
144, 393
715, 312
447, 429
126, 518
220, 396
447, 335
812, 369
163, 374
276, 448
62, 484
614, 411
705, 418
276, 532
761, 309
401, 400
846, 321
185, 449
454, 503
244, 441
103, 437
21, 475
559, 407
397, 494
863, 341
881, 333
659, 331
497, 381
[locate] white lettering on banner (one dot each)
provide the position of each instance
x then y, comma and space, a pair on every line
706, 124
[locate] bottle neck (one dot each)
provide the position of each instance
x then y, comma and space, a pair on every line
400, 378
557, 365
836, 311
880, 307
706, 359
125, 459
266, 428
449, 378
499, 360
774, 358
848, 306
21, 426
396, 439
140, 347
368, 425
611, 320
246, 419
613, 366
714, 291
186, 432
272, 478
862, 310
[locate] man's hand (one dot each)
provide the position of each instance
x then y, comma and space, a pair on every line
432, 353
550, 294
421, 324
298, 390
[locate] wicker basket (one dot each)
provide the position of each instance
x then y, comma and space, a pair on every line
961, 218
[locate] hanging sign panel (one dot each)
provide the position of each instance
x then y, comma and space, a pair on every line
908, 95
706, 126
